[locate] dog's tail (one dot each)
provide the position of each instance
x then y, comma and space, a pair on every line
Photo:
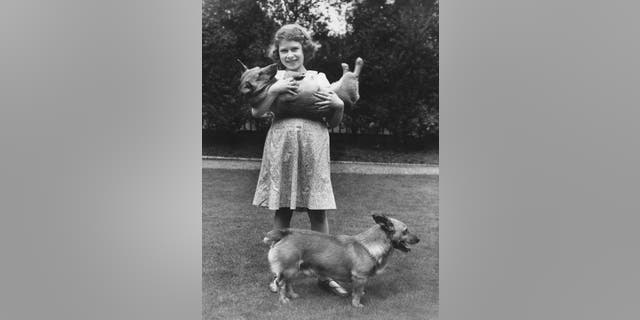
274, 236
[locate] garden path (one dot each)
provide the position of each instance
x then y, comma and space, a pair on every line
212, 162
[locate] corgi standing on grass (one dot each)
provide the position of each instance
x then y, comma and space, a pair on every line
295, 173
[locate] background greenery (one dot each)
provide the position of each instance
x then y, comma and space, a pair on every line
397, 39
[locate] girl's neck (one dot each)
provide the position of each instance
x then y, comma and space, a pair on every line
299, 70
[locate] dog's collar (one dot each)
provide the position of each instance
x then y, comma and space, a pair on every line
371, 255
378, 260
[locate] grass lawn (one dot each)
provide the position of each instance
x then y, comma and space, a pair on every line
235, 268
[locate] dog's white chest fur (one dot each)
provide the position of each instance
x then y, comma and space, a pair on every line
380, 253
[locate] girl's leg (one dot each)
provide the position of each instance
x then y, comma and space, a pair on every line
282, 218
319, 221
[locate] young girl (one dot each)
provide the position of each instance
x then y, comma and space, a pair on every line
295, 172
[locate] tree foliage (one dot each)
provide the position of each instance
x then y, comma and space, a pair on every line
230, 30
397, 39
400, 85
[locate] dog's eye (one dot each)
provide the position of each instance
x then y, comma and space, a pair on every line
248, 85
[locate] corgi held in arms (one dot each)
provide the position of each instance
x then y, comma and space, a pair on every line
255, 82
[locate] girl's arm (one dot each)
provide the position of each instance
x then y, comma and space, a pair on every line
263, 106
330, 102
335, 117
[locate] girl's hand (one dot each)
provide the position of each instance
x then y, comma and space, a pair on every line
284, 86
328, 100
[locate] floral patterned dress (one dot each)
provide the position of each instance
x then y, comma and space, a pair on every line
295, 170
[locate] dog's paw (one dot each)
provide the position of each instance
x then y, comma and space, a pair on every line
356, 302
284, 300
273, 286
293, 295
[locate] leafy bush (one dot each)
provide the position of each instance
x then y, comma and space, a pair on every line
230, 30
397, 39
400, 83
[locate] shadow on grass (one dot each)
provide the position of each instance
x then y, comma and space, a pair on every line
236, 272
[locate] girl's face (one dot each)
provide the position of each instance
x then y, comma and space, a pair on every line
291, 55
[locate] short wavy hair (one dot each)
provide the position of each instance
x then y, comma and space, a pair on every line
293, 32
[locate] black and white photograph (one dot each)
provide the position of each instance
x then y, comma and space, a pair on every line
307, 159
320, 146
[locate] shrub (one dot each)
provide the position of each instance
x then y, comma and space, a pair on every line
397, 39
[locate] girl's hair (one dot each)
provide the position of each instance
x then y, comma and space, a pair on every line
293, 32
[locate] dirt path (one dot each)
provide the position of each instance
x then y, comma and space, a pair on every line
209, 162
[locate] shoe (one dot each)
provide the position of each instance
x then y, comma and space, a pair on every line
273, 285
333, 287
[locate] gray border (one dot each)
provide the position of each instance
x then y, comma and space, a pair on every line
100, 167
539, 155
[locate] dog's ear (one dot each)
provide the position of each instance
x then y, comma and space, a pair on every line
270, 70
243, 65
384, 222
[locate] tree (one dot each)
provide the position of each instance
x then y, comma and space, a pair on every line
321, 17
398, 40
400, 84
230, 30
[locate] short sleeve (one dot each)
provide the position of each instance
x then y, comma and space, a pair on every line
322, 80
